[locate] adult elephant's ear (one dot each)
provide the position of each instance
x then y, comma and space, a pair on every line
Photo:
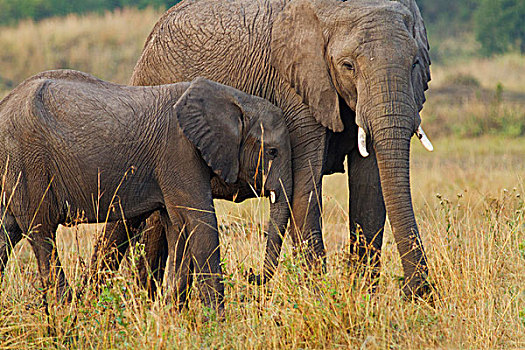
298, 54
421, 75
209, 115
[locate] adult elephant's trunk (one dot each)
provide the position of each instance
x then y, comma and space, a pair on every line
392, 119
279, 217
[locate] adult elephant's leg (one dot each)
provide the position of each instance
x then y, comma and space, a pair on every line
308, 140
367, 209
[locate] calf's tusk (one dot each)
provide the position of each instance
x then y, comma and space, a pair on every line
272, 197
424, 139
361, 142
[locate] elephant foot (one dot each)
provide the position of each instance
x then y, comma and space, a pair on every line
365, 260
255, 279
58, 290
423, 290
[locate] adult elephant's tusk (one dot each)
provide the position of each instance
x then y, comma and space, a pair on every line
424, 139
361, 142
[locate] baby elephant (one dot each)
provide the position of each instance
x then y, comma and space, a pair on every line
71, 144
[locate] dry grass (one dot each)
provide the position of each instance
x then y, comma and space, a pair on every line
468, 197
508, 69
107, 46
477, 97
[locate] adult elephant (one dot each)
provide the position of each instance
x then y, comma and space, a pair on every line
350, 78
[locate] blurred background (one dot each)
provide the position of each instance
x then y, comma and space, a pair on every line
477, 49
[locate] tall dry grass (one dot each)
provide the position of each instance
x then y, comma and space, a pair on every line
106, 46
507, 69
468, 198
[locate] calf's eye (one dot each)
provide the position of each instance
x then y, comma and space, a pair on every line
272, 152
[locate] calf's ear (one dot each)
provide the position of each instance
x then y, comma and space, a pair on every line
211, 119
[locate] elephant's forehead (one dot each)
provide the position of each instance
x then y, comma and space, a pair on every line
371, 34
270, 128
274, 121
359, 9
264, 113
371, 16
261, 105
392, 41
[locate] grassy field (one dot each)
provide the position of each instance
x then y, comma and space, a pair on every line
468, 198
106, 46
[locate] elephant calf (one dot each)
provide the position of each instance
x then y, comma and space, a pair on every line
74, 144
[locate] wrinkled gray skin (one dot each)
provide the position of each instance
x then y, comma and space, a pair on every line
74, 144
331, 66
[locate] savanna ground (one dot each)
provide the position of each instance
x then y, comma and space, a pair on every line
468, 199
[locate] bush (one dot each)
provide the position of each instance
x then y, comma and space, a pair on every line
500, 26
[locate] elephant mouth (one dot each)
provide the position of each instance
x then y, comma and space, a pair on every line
348, 115
420, 134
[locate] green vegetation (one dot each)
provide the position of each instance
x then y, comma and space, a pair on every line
453, 15
478, 26
500, 25
13, 10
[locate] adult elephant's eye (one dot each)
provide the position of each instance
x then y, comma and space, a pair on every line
348, 66
272, 152
416, 62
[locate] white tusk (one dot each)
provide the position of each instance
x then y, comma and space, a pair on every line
361, 142
272, 197
424, 139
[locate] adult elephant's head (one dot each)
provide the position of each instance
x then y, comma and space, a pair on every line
373, 55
